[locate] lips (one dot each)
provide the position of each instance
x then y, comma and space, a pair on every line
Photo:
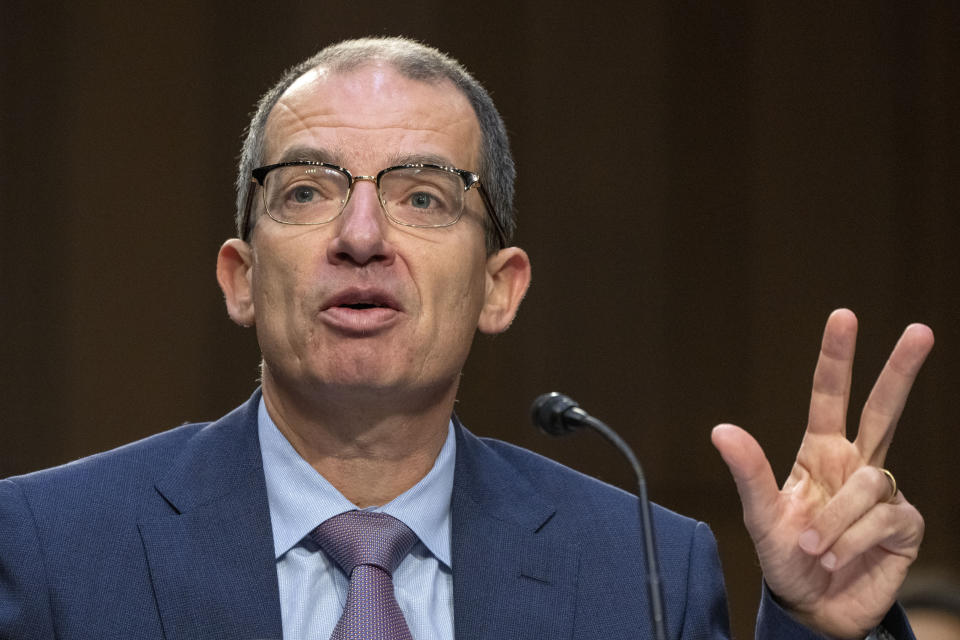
362, 300
361, 311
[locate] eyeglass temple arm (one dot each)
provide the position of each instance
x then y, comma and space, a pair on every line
248, 209
493, 216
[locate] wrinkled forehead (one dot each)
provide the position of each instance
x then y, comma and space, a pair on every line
370, 112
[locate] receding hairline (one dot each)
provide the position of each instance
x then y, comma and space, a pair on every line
438, 80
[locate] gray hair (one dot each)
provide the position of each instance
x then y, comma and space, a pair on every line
415, 61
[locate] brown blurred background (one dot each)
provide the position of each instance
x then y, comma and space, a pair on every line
700, 184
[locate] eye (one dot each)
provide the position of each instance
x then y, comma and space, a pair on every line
303, 195
308, 192
421, 200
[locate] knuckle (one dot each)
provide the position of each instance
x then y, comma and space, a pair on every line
915, 527
876, 481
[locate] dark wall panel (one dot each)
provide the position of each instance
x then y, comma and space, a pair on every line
700, 184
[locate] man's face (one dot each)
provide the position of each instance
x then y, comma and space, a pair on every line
360, 303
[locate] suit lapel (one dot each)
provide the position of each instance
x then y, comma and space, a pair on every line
211, 562
511, 578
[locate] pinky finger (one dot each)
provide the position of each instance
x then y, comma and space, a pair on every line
893, 528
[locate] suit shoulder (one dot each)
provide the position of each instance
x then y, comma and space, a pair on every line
103, 473
591, 497
599, 524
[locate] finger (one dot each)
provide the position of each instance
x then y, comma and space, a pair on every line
862, 491
896, 528
878, 422
831, 378
751, 471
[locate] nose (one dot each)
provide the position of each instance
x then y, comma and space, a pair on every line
360, 228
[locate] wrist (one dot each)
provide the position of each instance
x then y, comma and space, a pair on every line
823, 628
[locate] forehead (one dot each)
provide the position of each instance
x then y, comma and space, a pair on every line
369, 117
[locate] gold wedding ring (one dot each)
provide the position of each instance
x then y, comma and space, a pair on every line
893, 484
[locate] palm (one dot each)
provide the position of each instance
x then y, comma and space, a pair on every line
835, 490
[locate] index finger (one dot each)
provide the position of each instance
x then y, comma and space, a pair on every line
878, 422
831, 378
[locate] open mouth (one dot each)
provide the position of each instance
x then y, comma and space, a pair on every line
363, 300
364, 305
362, 312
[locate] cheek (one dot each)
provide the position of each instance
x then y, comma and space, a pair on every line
278, 294
459, 301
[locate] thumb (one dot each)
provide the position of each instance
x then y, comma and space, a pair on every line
751, 471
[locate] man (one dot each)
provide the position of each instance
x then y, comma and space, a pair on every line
374, 215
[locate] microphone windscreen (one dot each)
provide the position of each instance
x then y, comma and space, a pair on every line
547, 413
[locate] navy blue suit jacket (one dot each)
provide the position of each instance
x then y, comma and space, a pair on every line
170, 537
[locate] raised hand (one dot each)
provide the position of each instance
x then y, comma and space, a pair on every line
836, 541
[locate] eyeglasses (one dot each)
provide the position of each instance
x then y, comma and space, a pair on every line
413, 195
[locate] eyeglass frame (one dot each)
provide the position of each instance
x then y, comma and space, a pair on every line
470, 180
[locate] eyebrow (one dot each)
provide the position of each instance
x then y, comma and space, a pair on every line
319, 154
421, 158
311, 154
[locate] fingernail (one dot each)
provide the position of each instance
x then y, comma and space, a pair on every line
829, 560
809, 540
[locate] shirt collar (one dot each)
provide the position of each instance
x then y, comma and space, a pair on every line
300, 498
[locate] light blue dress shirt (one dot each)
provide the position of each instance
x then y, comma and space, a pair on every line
313, 589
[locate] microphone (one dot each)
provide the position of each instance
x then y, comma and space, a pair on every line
557, 415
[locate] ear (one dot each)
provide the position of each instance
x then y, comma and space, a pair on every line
234, 273
508, 277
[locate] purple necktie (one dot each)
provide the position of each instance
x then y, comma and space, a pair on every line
368, 547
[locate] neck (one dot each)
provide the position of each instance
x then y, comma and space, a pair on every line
359, 442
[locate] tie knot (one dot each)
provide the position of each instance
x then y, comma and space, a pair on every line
362, 537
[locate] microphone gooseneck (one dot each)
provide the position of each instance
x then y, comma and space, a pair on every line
557, 415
